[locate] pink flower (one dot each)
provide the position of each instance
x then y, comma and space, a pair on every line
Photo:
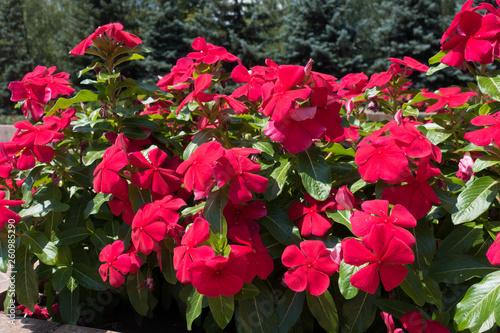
465, 167
111, 31
116, 264
345, 199
219, 275
375, 212
389, 322
310, 267
309, 220
385, 254
493, 253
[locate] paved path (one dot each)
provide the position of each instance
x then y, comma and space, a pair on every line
29, 325
6, 132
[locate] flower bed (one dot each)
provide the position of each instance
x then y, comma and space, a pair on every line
272, 207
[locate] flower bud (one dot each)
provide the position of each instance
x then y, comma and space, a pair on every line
399, 117
465, 167
349, 107
336, 254
345, 198
373, 106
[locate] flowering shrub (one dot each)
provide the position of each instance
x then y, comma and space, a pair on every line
254, 192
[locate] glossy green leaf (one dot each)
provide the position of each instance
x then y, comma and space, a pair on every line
194, 301
341, 216
248, 290
459, 268
40, 245
277, 180
459, 240
433, 292
222, 309
425, 246
92, 155
485, 161
289, 309
395, 307
280, 226
345, 286
359, 312
489, 86
71, 236
479, 303
69, 305
95, 204
40, 209
264, 147
324, 310
475, 199
26, 279
257, 314
413, 287
61, 277
63, 103
437, 57
315, 173
213, 213
138, 297
167, 260
88, 277
4, 249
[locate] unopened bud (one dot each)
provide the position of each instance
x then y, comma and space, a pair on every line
345, 198
399, 117
373, 106
349, 107
336, 254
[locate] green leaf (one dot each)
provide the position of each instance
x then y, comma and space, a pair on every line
345, 286
61, 278
459, 268
167, 260
216, 202
489, 86
358, 313
479, 303
138, 197
324, 310
413, 287
256, 314
63, 103
4, 249
138, 297
222, 308
92, 155
52, 221
433, 292
396, 308
71, 236
96, 203
264, 147
26, 279
425, 246
460, 240
437, 57
475, 199
88, 277
40, 209
418, 98
40, 245
280, 226
200, 138
447, 202
249, 290
341, 216
277, 180
485, 161
69, 305
194, 301
27, 186
289, 309
315, 173
192, 210
435, 69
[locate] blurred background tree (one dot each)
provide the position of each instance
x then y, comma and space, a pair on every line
341, 36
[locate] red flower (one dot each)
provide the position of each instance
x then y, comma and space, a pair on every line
388, 256
112, 31
279, 100
414, 143
121, 204
106, 174
5, 213
311, 267
219, 275
201, 83
116, 263
208, 53
414, 323
178, 76
417, 195
353, 84
160, 179
260, 262
245, 215
234, 165
381, 158
198, 169
252, 89
310, 221
485, 136
412, 63
168, 208
148, 229
493, 253
188, 252
449, 96
389, 322
375, 213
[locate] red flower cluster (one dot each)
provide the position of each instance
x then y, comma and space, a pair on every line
117, 263
37, 88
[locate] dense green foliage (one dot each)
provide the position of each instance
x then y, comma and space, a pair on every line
341, 36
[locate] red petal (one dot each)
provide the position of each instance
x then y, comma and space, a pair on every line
317, 282
296, 278
366, 279
293, 257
